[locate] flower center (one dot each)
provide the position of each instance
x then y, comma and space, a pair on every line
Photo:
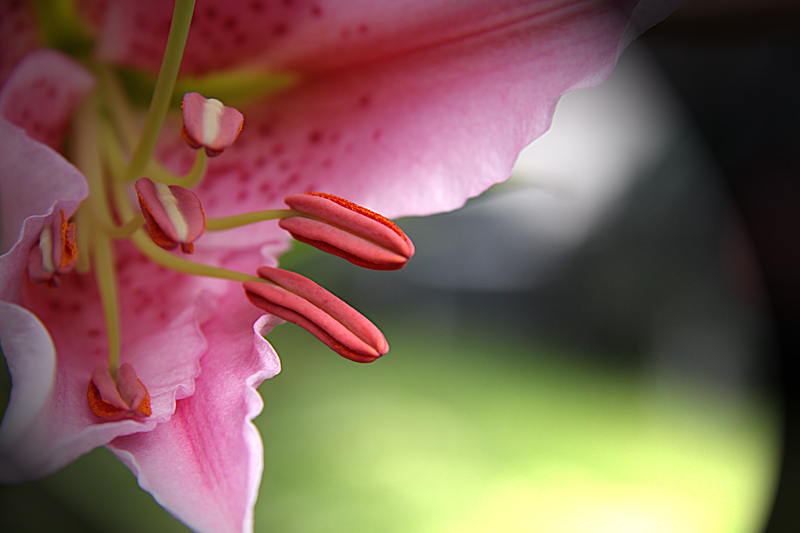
112, 156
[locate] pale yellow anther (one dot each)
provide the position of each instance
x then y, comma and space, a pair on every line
212, 112
46, 246
170, 203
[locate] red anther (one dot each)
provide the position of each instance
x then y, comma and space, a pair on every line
209, 124
301, 301
348, 230
173, 214
55, 252
125, 398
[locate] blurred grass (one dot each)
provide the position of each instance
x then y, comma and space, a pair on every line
462, 431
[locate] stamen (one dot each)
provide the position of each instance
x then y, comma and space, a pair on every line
209, 124
55, 253
353, 232
301, 301
174, 215
160, 256
125, 398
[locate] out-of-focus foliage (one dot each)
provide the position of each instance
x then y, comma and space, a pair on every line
463, 431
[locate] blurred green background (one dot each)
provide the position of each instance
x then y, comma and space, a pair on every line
612, 377
462, 430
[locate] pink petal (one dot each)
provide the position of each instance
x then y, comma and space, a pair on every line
163, 344
18, 34
31, 360
42, 92
204, 465
160, 335
420, 132
93, 11
35, 184
318, 35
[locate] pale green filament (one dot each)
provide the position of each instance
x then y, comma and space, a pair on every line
216, 224
165, 83
87, 158
125, 126
107, 285
127, 229
158, 255
194, 175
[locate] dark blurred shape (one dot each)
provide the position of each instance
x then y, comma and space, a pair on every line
736, 66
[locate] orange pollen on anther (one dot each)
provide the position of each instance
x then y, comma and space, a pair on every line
108, 411
377, 217
69, 251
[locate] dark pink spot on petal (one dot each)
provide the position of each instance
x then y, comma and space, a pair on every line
315, 137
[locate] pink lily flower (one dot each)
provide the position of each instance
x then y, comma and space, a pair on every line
407, 107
